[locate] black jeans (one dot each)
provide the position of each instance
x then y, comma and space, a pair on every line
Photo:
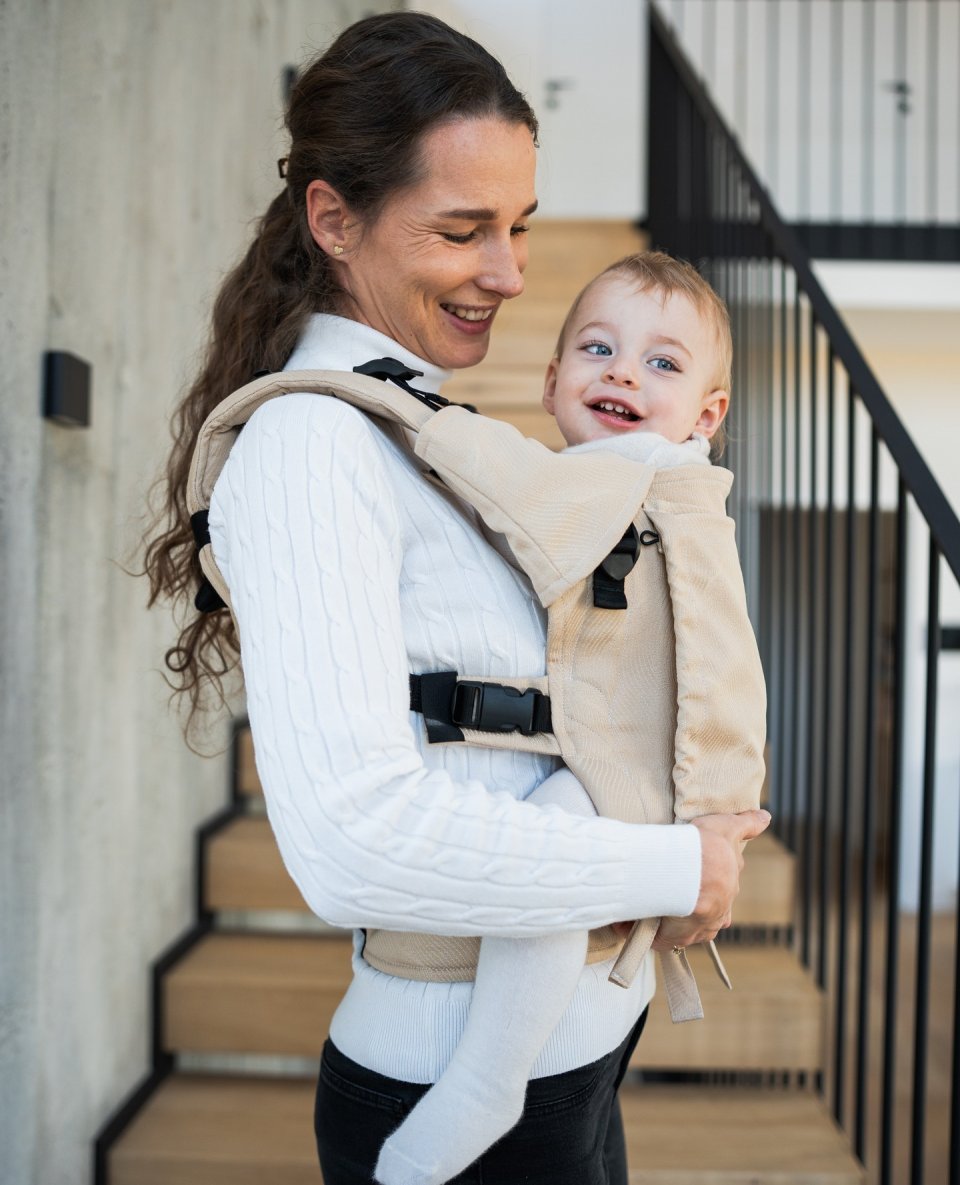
571, 1131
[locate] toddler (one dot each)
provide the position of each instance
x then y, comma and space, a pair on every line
642, 367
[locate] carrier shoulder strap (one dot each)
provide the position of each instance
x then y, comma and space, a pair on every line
370, 394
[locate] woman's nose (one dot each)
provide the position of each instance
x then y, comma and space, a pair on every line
504, 266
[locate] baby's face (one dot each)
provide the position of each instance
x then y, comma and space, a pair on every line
634, 362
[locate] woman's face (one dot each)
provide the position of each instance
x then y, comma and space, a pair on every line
433, 268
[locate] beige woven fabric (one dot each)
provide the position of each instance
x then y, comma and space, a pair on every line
220, 429
659, 709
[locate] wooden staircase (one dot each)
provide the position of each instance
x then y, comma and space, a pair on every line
259, 988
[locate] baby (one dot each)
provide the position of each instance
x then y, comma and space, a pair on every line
642, 367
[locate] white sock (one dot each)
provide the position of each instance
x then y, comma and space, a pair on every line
522, 987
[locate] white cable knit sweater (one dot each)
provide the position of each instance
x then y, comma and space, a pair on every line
347, 571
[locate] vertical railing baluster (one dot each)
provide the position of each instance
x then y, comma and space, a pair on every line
770, 594
810, 848
795, 746
924, 912
782, 745
694, 165
867, 850
736, 298
895, 827
741, 300
826, 722
846, 835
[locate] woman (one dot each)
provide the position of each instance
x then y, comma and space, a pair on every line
398, 234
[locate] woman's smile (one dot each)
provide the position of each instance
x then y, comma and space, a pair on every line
473, 322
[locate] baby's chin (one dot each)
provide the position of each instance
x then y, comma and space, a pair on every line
602, 432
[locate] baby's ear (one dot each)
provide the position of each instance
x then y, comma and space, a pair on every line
712, 412
550, 385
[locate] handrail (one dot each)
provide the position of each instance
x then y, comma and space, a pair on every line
920, 482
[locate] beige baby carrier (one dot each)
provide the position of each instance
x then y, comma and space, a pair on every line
653, 695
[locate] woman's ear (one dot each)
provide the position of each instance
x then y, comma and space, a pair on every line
550, 385
328, 217
712, 413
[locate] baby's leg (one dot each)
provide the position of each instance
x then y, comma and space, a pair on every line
522, 987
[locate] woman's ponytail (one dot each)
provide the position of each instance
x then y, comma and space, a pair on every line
357, 117
258, 315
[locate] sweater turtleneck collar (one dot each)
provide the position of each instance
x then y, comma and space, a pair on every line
330, 342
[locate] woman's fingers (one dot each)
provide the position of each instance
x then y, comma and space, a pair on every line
722, 838
736, 828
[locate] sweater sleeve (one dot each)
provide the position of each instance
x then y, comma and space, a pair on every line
307, 536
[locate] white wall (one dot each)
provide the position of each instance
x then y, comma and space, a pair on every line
817, 117
592, 131
136, 143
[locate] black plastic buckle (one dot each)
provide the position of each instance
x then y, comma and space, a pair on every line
390, 370
609, 576
449, 705
491, 707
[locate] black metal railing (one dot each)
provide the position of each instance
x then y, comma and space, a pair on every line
846, 539
865, 94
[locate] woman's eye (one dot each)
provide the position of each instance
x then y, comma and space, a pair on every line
663, 364
601, 349
452, 238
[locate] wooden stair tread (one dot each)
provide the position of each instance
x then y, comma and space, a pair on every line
774, 1019
244, 869
251, 993
248, 780
211, 1130
218, 1130
681, 1135
251, 958
245, 872
255, 993
767, 885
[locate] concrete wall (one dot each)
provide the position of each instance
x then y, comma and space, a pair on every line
137, 140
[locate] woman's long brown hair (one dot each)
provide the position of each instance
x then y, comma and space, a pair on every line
356, 118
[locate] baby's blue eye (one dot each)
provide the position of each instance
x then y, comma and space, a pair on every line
598, 348
663, 364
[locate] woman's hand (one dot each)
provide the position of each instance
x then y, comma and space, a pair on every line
722, 838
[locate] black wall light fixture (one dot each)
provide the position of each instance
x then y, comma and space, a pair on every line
66, 389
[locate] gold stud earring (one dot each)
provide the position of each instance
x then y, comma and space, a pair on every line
337, 249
